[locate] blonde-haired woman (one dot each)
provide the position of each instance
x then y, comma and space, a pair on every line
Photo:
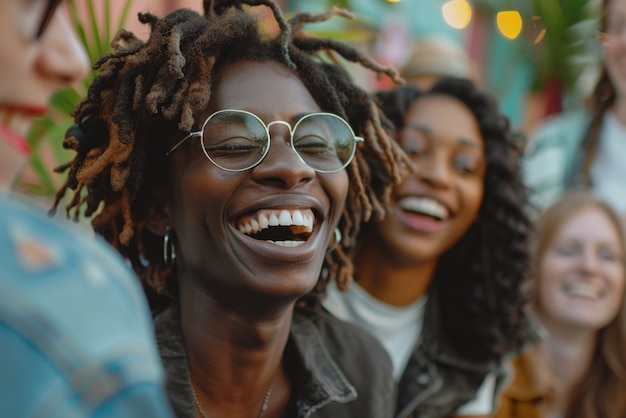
578, 286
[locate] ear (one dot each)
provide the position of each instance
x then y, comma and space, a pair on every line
158, 217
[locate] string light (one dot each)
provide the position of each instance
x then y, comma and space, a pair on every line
509, 23
457, 13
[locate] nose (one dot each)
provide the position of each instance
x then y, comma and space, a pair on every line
282, 165
62, 58
589, 261
434, 169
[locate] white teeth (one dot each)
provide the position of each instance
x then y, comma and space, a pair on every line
297, 218
585, 290
287, 243
16, 121
266, 219
424, 205
285, 218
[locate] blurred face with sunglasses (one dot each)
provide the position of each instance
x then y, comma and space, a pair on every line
257, 190
39, 53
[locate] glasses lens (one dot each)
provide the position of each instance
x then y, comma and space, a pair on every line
324, 141
234, 140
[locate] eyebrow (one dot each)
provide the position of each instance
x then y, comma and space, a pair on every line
428, 131
295, 118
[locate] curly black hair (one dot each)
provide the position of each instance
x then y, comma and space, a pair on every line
147, 91
478, 281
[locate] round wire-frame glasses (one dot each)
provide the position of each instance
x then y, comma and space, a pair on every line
324, 154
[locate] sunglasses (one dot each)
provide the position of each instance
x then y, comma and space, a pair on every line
237, 140
45, 12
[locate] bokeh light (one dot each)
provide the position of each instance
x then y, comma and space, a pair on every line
509, 23
457, 13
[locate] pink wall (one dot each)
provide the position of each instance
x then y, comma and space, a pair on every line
158, 7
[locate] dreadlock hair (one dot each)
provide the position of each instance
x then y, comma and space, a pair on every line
148, 88
478, 280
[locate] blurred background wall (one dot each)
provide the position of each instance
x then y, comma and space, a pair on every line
537, 57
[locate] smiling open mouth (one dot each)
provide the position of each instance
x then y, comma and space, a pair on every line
284, 227
585, 290
424, 206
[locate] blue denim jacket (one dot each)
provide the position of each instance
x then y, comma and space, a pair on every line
76, 338
339, 370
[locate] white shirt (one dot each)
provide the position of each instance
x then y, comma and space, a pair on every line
608, 170
398, 329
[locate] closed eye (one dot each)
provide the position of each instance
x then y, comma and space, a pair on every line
313, 144
236, 144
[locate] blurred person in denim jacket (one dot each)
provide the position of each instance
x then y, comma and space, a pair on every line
75, 332
587, 148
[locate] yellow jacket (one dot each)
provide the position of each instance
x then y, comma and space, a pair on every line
528, 389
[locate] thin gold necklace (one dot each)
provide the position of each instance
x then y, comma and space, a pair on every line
266, 400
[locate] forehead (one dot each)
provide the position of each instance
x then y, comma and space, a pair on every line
435, 112
589, 224
268, 89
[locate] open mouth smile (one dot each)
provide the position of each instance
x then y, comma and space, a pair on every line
283, 227
424, 206
584, 290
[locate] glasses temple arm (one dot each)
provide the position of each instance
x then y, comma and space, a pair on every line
175, 147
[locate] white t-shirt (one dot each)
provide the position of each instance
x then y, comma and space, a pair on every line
608, 171
398, 329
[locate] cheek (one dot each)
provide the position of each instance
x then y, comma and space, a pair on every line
617, 276
473, 192
615, 68
200, 189
547, 279
337, 189
17, 61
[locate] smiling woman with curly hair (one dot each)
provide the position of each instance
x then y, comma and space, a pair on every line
438, 280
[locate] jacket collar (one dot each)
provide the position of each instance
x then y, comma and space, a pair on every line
318, 379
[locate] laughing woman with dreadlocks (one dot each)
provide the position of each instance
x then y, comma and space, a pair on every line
225, 165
